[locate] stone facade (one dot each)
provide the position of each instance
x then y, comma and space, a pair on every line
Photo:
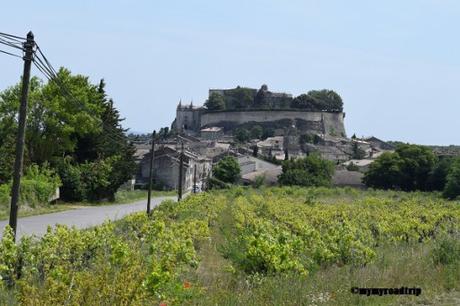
166, 168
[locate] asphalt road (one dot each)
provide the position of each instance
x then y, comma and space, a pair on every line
80, 217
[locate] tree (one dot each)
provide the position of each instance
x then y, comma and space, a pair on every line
215, 102
408, 168
416, 164
438, 175
110, 148
267, 132
384, 172
239, 98
260, 99
327, 100
227, 170
74, 126
256, 132
452, 187
308, 171
242, 135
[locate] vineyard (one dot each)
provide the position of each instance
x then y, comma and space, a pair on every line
270, 246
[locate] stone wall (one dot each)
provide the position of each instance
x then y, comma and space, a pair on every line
330, 123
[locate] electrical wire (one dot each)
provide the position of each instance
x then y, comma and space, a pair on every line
12, 54
13, 36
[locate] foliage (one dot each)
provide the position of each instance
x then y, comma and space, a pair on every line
267, 132
136, 261
319, 100
408, 168
227, 170
276, 231
438, 175
256, 132
264, 238
352, 167
308, 171
38, 185
215, 102
452, 187
78, 123
242, 135
239, 98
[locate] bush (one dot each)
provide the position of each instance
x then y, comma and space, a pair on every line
352, 167
38, 185
309, 171
73, 189
227, 170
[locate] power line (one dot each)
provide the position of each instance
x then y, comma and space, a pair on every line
11, 44
8, 53
13, 36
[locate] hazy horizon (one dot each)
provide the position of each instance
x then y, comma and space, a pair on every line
395, 64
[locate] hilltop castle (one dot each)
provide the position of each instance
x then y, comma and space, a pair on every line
246, 107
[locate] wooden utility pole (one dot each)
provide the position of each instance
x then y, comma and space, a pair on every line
152, 156
181, 169
194, 180
18, 162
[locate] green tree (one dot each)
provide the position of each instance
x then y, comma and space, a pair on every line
452, 187
416, 164
267, 132
408, 168
227, 170
308, 171
215, 102
109, 146
384, 172
327, 100
256, 132
438, 176
242, 135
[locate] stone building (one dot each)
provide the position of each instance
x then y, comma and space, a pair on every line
275, 114
212, 133
166, 168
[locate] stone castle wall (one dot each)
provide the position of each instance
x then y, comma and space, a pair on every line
330, 123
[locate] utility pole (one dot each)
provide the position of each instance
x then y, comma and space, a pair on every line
194, 180
181, 169
152, 156
18, 162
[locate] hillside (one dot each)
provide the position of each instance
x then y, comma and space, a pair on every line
277, 246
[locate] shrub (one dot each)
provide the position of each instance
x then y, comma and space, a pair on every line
309, 171
227, 170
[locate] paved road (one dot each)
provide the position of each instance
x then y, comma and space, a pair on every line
80, 217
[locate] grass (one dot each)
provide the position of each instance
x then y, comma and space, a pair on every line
121, 197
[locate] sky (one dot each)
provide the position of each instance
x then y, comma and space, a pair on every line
395, 63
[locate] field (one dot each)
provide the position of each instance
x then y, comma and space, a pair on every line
270, 246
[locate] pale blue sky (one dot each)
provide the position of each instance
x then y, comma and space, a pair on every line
396, 64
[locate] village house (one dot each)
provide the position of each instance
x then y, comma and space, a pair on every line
166, 169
